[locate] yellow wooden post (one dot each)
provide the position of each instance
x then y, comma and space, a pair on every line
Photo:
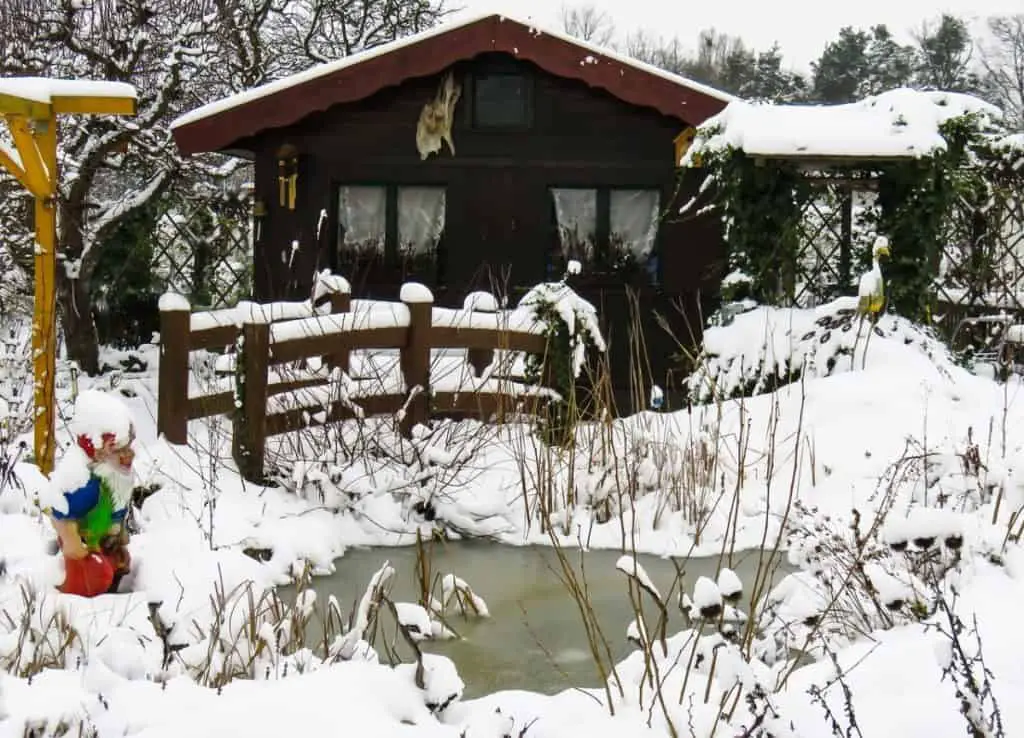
44, 322
30, 107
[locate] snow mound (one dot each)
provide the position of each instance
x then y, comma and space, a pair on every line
768, 347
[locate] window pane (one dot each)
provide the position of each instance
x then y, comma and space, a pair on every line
362, 220
576, 213
421, 213
633, 220
500, 100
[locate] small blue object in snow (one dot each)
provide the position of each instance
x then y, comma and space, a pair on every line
657, 397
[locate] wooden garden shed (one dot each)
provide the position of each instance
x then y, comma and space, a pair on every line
482, 154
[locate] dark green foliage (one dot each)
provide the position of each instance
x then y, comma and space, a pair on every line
554, 370
840, 70
762, 206
944, 56
916, 202
126, 305
862, 63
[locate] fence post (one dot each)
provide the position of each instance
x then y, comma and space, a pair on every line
250, 417
480, 302
172, 389
341, 302
415, 357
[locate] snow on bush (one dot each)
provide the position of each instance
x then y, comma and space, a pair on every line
768, 347
557, 305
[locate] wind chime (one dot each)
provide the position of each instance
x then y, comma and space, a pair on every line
287, 175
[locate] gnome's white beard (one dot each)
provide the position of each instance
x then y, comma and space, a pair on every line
121, 482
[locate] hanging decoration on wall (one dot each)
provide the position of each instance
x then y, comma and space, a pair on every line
683, 142
287, 175
435, 124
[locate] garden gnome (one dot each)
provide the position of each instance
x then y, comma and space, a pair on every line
90, 491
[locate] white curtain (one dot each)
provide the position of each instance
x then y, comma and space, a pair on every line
633, 220
576, 211
362, 218
421, 213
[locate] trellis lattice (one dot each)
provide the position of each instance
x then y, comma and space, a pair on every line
832, 240
204, 249
982, 269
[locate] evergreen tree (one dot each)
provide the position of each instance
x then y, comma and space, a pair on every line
838, 74
887, 63
944, 56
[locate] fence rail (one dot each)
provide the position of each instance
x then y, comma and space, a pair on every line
270, 337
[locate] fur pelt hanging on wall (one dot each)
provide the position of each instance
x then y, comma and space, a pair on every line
435, 123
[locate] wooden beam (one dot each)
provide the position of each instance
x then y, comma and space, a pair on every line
84, 105
44, 321
15, 105
38, 179
15, 169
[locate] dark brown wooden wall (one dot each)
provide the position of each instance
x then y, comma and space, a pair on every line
499, 219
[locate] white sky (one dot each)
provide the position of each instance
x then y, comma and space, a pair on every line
802, 27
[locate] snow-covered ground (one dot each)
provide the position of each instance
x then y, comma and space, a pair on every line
908, 431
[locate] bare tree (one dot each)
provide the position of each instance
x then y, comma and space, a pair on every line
1002, 58
588, 23
668, 55
178, 54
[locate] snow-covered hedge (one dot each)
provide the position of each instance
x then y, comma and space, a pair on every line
766, 347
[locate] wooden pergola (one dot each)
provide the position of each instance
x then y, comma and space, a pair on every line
31, 107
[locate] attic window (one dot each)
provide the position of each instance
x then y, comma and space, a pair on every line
501, 99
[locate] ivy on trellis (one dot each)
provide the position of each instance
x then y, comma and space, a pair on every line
762, 204
761, 207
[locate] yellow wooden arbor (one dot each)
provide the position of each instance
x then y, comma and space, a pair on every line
31, 107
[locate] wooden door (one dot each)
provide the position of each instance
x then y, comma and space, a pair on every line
496, 242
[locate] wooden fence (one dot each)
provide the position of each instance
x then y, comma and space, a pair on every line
289, 335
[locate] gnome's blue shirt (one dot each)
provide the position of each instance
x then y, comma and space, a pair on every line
94, 507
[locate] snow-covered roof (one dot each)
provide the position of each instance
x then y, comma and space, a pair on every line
44, 90
328, 84
900, 123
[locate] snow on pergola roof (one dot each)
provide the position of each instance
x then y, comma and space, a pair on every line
898, 124
25, 95
219, 124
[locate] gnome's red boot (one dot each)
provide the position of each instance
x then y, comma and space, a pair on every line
87, 577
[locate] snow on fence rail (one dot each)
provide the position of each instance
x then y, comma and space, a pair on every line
329, 328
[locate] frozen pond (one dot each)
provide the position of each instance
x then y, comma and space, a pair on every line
534, 638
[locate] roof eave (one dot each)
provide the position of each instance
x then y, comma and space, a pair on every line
434, 54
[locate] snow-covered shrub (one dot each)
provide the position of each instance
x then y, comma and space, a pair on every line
964, 479
573, 332
35, 632
702, 681
850, 583
860, 577
358, 465
767, 347
259, 636
649, 465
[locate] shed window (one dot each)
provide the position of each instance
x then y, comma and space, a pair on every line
421, 213
576, 214
606, 229
501, 100
399, 225
632, 223
362, 220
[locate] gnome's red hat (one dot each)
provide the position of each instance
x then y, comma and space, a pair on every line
85, 443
